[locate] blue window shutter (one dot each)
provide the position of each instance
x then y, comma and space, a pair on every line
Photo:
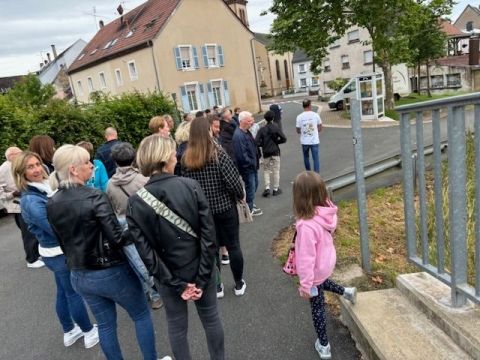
205, 57
195, 57
211, 98
178, 59
226, 93
201, 91
220, 55
183, 92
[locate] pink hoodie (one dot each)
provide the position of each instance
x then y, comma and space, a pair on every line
314, 250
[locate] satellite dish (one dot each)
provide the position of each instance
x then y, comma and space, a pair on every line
120, 9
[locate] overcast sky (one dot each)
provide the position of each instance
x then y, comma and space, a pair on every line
29, 27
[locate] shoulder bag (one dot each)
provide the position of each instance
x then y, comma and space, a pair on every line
290, 266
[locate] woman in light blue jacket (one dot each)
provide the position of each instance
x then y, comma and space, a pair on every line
99, 179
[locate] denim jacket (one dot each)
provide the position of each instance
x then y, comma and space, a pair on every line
34, 212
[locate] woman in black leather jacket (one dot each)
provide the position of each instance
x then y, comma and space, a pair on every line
91, 239
178, 247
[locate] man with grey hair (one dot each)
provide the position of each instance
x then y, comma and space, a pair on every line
10, 198
126, 181
104, 152
247, 158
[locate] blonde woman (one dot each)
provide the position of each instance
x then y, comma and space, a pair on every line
92, 240
31, 179
183, 261
181, 137
158, 125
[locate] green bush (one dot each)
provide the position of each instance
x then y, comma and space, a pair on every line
29, 109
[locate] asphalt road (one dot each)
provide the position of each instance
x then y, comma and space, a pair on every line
270, 322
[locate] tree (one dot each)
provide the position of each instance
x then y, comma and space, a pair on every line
30, 92
337, 84
314, 25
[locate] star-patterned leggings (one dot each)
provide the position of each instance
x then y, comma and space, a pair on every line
317, 304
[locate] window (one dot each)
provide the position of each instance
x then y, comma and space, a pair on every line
118, 77
132, 70
353, 36
454, 80
285, 65
212, 55
345, 62
81, 56
192, 97
314, 81
130, 33
242, 16
423, 82
335, 44
93, 51
326, 65
79, 88
277, 68
301, 69
437, 81
186, 57
303, 83
217, 92
90, 84
368, 57
103, 81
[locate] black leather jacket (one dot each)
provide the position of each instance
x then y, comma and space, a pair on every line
174, 257
87, 228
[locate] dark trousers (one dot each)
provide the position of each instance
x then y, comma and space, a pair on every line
177, 317
228, 235
30, 243
317, 305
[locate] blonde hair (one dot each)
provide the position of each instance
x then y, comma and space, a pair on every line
153, 154
19, 169
309, 191
156, 123
87, 145
66, 156
183, 132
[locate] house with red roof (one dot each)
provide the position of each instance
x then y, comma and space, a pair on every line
200, 52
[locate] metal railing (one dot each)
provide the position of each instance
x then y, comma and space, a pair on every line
429, 252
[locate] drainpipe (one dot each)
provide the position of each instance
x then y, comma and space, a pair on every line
150, 43
254, 58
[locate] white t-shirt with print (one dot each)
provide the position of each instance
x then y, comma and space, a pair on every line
308, 122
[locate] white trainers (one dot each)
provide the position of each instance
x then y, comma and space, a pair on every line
240, 291
72, 336
36, 265
350, 294
90, 338
256, 211
221, 291
166, 358
323, 351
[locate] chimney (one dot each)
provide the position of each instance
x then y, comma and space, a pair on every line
45, 62
54, 51
101, 23
473, 51
41, 65
48, 57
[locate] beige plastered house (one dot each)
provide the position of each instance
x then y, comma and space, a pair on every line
199, 52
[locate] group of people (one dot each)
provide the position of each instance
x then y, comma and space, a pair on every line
158, 222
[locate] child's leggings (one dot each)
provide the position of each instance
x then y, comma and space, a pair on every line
317, 304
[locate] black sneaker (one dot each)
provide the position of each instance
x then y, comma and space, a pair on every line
225, 260
277, 192
266, 193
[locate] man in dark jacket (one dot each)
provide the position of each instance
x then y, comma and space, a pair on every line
247, 156
227, 128
268, 138
104, 152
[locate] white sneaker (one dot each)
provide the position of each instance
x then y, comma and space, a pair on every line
36, 265
240, 291
72, 336
323, 351
90, 338
221, 293
166, 358
350, 294
256, 211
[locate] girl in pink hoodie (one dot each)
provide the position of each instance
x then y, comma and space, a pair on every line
315, 255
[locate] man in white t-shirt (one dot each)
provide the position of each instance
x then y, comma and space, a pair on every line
309, 126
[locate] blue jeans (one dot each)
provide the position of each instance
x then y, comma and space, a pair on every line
138, 266
69, 306
102, 289
251, 185
306, 157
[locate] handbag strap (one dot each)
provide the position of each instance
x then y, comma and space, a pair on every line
164, 211
124, 191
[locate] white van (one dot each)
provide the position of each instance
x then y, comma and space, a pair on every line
401, 87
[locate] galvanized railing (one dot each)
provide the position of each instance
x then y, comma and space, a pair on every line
452, 270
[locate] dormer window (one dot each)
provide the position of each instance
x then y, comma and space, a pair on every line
114, 42
94, 51
81, 56
107, 45
130, 33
